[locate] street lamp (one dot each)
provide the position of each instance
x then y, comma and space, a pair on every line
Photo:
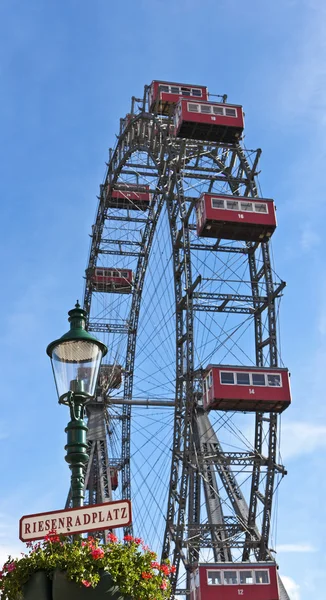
76, 359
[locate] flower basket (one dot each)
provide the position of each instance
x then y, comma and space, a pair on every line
39, 587
83, 569
66, 589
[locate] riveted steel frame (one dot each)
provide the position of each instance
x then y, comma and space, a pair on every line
173, 161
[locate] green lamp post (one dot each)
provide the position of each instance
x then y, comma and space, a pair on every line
76, 359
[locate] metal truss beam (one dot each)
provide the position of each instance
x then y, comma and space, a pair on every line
229, 297
224, 308
121, 242
100, 326
240, 459
207, 438
259, 303
126, 219
234, 531
120, 252
218, 248
145, 402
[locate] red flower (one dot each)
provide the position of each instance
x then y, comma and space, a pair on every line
163, 585
52, 536
173, 569
86, 583
165, 569
97, 553
112, 538
146, 575
53, 539
128, 538
155, 565
138, 541
10, 567
90, 540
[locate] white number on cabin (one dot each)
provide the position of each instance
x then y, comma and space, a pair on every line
240, 215
240, 592
251, 391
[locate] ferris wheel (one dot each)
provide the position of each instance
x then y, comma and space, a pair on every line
181, 287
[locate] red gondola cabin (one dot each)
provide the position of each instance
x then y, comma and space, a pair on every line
235, 218
112, 280
208, 121
114, 478
230, 581
164, 94
131, 197
246, 389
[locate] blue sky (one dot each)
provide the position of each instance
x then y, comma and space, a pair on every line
67, 72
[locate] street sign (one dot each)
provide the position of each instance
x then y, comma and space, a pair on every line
93, 517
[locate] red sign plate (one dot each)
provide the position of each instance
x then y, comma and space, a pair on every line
94, 517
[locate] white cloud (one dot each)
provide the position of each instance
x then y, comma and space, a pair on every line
309, 238
292, 588
295, 548
302, 438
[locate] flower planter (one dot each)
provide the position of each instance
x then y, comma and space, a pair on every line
38, 587
65, 589
69, 563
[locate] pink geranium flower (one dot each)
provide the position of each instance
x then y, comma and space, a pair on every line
146, 575
165, 569
138, 540
97, 553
